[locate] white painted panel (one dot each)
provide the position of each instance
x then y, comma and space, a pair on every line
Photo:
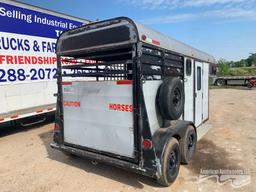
205, 90
189, 93
28, 59
21, 96
3, 107
199, 95
150, 92
91, 123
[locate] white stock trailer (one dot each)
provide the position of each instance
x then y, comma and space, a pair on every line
27, 58
139, 106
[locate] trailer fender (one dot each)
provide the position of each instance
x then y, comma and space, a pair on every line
163, 135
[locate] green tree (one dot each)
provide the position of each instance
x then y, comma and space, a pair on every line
252, 59
223, 67
244, 63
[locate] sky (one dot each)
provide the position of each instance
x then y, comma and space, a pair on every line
223, 28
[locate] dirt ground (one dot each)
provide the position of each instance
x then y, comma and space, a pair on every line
27, 163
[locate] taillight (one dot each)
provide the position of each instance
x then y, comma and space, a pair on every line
147, 144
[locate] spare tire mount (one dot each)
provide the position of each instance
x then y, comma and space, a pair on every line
171, 98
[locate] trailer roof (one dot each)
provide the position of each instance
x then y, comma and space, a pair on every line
138, 32
172, 44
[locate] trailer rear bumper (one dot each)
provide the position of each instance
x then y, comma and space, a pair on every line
106, 159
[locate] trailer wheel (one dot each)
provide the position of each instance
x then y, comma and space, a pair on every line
250, 85
171, 98
188, 145
170, 163
220, 82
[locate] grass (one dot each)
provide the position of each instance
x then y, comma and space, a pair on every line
242, 71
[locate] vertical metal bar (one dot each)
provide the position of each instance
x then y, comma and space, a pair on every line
97, 70
59, 108
163, 64
137, 103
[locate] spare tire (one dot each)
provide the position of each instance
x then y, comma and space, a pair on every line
171, 98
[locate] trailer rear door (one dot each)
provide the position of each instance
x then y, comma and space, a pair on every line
99, 116
97, 65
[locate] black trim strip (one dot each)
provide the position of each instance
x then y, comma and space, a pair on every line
100, 152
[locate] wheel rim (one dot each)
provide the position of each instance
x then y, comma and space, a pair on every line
173, 162
250, 85
220, 82
176, 98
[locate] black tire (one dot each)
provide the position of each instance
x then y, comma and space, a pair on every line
220, 82
188, 145
171, 98
170, 163
249, 85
